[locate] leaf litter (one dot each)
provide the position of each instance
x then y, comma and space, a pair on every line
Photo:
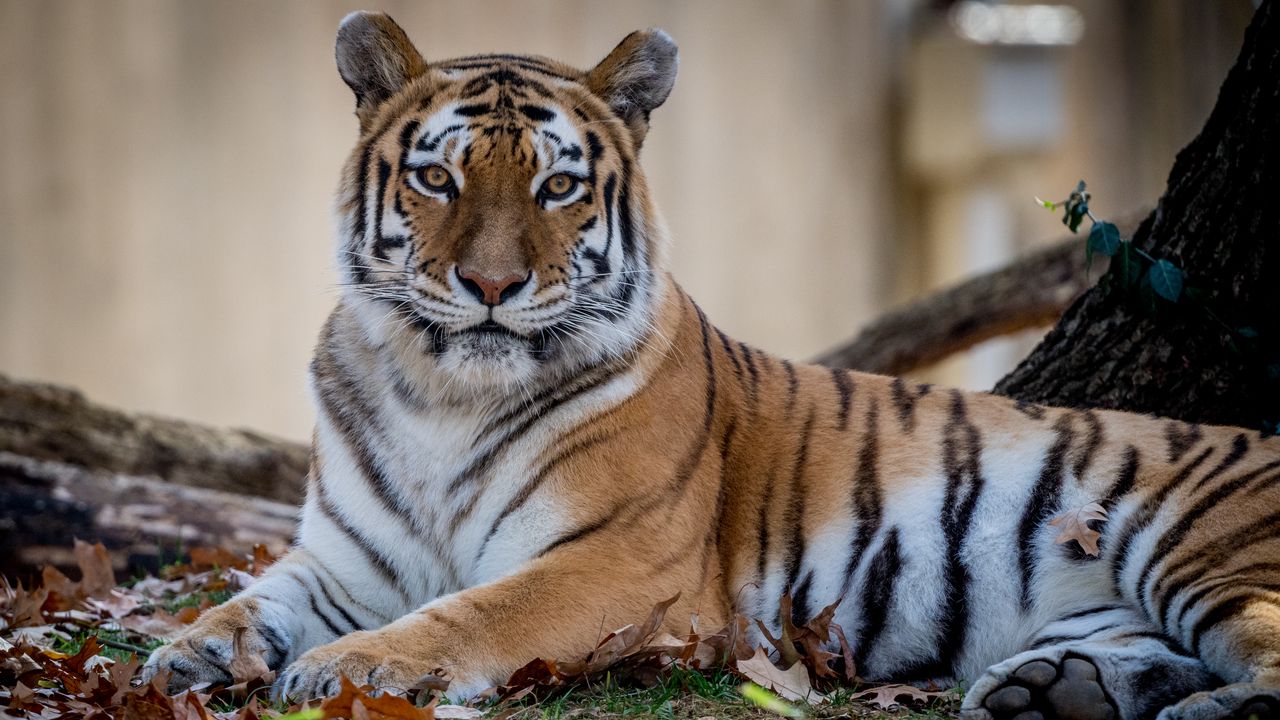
45, 674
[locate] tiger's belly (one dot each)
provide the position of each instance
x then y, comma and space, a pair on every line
935, 577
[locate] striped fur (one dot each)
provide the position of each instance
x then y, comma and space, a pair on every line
492, 484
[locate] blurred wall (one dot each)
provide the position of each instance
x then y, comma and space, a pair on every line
166, 168
166, 171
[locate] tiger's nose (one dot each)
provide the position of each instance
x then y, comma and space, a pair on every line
488, 290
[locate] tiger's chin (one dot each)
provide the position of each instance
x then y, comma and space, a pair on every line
487, 362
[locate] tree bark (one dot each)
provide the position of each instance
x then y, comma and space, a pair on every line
48, 422
1028, 293
1215, 357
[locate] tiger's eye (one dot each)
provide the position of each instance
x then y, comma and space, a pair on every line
435, 177
559, 185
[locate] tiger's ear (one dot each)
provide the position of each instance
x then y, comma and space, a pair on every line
636, 77
375, 58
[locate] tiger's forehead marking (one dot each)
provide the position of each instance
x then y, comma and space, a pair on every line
498, 108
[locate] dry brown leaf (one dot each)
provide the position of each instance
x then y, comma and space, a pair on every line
245, 664
886, 696
1074, 525
792, 683
353, 702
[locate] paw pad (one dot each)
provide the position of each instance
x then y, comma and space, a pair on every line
1039, 690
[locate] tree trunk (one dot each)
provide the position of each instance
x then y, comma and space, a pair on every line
1213, 357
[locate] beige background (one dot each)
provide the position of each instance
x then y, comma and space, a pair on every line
166, 169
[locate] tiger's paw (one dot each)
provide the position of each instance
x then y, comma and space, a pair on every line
204, 653
1047, 688
1240, 701
357, 657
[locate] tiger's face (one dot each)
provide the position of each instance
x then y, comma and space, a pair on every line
495, 224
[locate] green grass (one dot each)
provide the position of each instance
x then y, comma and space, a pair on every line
688, 695
195, 599
70, 645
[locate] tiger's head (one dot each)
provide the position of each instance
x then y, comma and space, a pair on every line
495, 227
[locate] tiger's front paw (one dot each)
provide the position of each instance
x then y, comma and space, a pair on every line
204, 654
361, 657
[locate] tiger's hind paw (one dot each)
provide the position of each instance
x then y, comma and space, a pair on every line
1240, 701
1041, 689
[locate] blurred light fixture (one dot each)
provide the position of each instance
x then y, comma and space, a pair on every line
989, 23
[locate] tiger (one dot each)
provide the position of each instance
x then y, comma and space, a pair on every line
528, 433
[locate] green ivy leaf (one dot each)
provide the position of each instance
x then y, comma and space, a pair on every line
1104, 238
1047, 204
1166, 280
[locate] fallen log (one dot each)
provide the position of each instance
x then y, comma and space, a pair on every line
50, 422
144, 522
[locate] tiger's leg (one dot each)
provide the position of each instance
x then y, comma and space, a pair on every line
1232, 620
1101, 663
297, 604
553, 608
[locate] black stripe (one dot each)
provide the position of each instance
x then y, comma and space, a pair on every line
528, 489
351, 621
793, 385
1048, 640
844, 388
610, 188
865, 500
529, 414
279, 647
727, 344
877, 595
626, 223
1092, 441
315, 607
1168, 643
1143, 517
752, 371
1095, 610
376, 559
962, 459
351, 415
1042, 500
481, 64
762, 526
800, 603
406, 135
1125, 478
1031, 410
536, 113
318, 564
1181, 437
796, 501
384, 176
905, 401
311, 599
